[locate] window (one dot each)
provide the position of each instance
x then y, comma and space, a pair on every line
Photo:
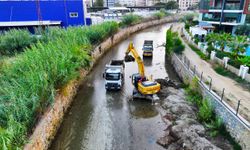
73, 14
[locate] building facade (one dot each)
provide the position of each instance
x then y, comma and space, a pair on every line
109, 3
225, 14
23, 13
127, 2
185, 4
141, 2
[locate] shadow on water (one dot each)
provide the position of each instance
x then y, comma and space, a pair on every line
142, 109
148, 61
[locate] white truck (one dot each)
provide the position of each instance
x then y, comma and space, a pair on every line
114, 75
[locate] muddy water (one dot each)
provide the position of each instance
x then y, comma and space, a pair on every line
101, 120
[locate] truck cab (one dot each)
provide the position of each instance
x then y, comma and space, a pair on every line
148, 48
114, 75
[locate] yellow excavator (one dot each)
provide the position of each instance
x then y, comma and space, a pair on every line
145, 87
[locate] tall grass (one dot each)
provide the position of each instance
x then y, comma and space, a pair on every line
130, 19
14, 41
29, 83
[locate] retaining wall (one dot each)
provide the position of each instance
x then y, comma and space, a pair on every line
235, 124
47, 127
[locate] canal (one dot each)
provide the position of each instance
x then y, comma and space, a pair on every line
101, 120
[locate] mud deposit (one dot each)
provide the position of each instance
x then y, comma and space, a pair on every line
183, 131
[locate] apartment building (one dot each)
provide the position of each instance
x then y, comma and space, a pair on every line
185, 4
127, 2
225, 14
109, 3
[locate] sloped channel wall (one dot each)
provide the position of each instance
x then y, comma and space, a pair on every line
235, 124
47, 127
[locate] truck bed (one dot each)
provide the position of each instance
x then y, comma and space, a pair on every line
116, 63
148, 42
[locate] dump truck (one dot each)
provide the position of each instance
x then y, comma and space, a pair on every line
114, 75
148, 48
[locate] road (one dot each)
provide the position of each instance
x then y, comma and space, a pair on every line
101, 120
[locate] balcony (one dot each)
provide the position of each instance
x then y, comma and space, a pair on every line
211, 19
232, 7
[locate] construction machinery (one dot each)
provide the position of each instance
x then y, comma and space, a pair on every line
114, 75
148, 48
145, 87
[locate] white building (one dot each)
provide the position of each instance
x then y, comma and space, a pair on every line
141, 2
109, 3
185, 4
126, 2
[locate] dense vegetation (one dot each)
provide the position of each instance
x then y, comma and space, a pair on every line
15, 41
237, 44
160, 14
168, 5
130, 19
243, 30
29, 83
198, 52
206, 114
173, 43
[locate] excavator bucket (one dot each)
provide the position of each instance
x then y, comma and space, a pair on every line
129, 58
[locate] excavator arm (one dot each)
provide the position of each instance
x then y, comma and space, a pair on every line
137, 59
144, 85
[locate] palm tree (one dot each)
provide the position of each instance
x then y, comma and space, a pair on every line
238, 45
223, 40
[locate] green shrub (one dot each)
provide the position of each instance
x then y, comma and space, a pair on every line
14, 41
205, 111
173, 43
215, 126
187, 26
29, 82
198, 52
130, 19
159, 15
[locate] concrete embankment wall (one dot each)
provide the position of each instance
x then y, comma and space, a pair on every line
235, 124
47, 127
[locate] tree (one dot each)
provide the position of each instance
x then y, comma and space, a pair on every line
243, 30
98, 3
168, 5
172, 5
219, 39
223, 39
238, 45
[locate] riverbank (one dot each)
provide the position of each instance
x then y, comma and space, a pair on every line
49, 124
183, 130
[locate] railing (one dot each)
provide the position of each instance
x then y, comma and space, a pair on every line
210, 19
207, 85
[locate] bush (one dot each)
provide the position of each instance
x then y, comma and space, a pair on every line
173, 43
187, 26
243, 30
160, 14
14, 41
29, 83
205, 111
198, 52
130, 19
